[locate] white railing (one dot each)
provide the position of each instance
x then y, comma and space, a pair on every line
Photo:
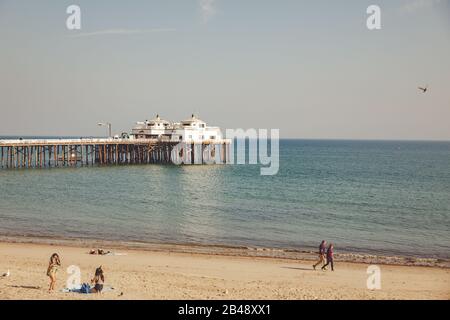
87, 141
71, 141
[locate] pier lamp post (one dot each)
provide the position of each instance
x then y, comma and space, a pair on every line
107, 124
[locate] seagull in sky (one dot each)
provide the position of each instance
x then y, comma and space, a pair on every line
423, 89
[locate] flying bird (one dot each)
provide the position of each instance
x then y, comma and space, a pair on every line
423, 89
6, 274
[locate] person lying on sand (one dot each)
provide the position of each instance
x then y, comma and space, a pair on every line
98, 280
99, 252
322, 249
53, 266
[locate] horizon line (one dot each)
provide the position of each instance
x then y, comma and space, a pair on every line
2, 137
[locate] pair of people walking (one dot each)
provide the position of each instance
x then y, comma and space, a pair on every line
327, 253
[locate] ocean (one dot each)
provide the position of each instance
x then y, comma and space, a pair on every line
374, 197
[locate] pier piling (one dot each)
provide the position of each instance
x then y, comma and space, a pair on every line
40, 153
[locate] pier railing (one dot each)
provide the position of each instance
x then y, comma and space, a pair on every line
82, 141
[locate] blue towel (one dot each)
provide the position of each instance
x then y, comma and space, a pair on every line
84, 288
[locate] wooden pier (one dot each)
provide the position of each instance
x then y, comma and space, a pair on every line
48, 153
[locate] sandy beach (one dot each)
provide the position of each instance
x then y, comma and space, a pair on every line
164, 274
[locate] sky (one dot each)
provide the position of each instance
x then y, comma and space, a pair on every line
309, 68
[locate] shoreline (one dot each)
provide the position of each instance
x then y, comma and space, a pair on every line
229, 250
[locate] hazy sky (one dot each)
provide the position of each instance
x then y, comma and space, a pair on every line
310, 68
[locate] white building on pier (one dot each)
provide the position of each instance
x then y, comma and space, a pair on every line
192, 130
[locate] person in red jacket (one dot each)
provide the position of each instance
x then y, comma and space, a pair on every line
330, 257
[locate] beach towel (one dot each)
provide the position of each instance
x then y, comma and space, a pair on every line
107, 253
115, 254
85, 289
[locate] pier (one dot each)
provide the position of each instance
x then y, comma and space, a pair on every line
49, 153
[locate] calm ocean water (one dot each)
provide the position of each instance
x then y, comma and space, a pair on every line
374, 197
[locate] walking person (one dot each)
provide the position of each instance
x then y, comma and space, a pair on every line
330, 257
322, 249
53, 266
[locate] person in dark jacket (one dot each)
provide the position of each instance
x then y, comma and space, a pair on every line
330, 257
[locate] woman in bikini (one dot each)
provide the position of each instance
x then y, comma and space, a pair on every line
98, 280
53, 266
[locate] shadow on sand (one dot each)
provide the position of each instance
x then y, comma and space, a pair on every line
298, 268
26, 287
